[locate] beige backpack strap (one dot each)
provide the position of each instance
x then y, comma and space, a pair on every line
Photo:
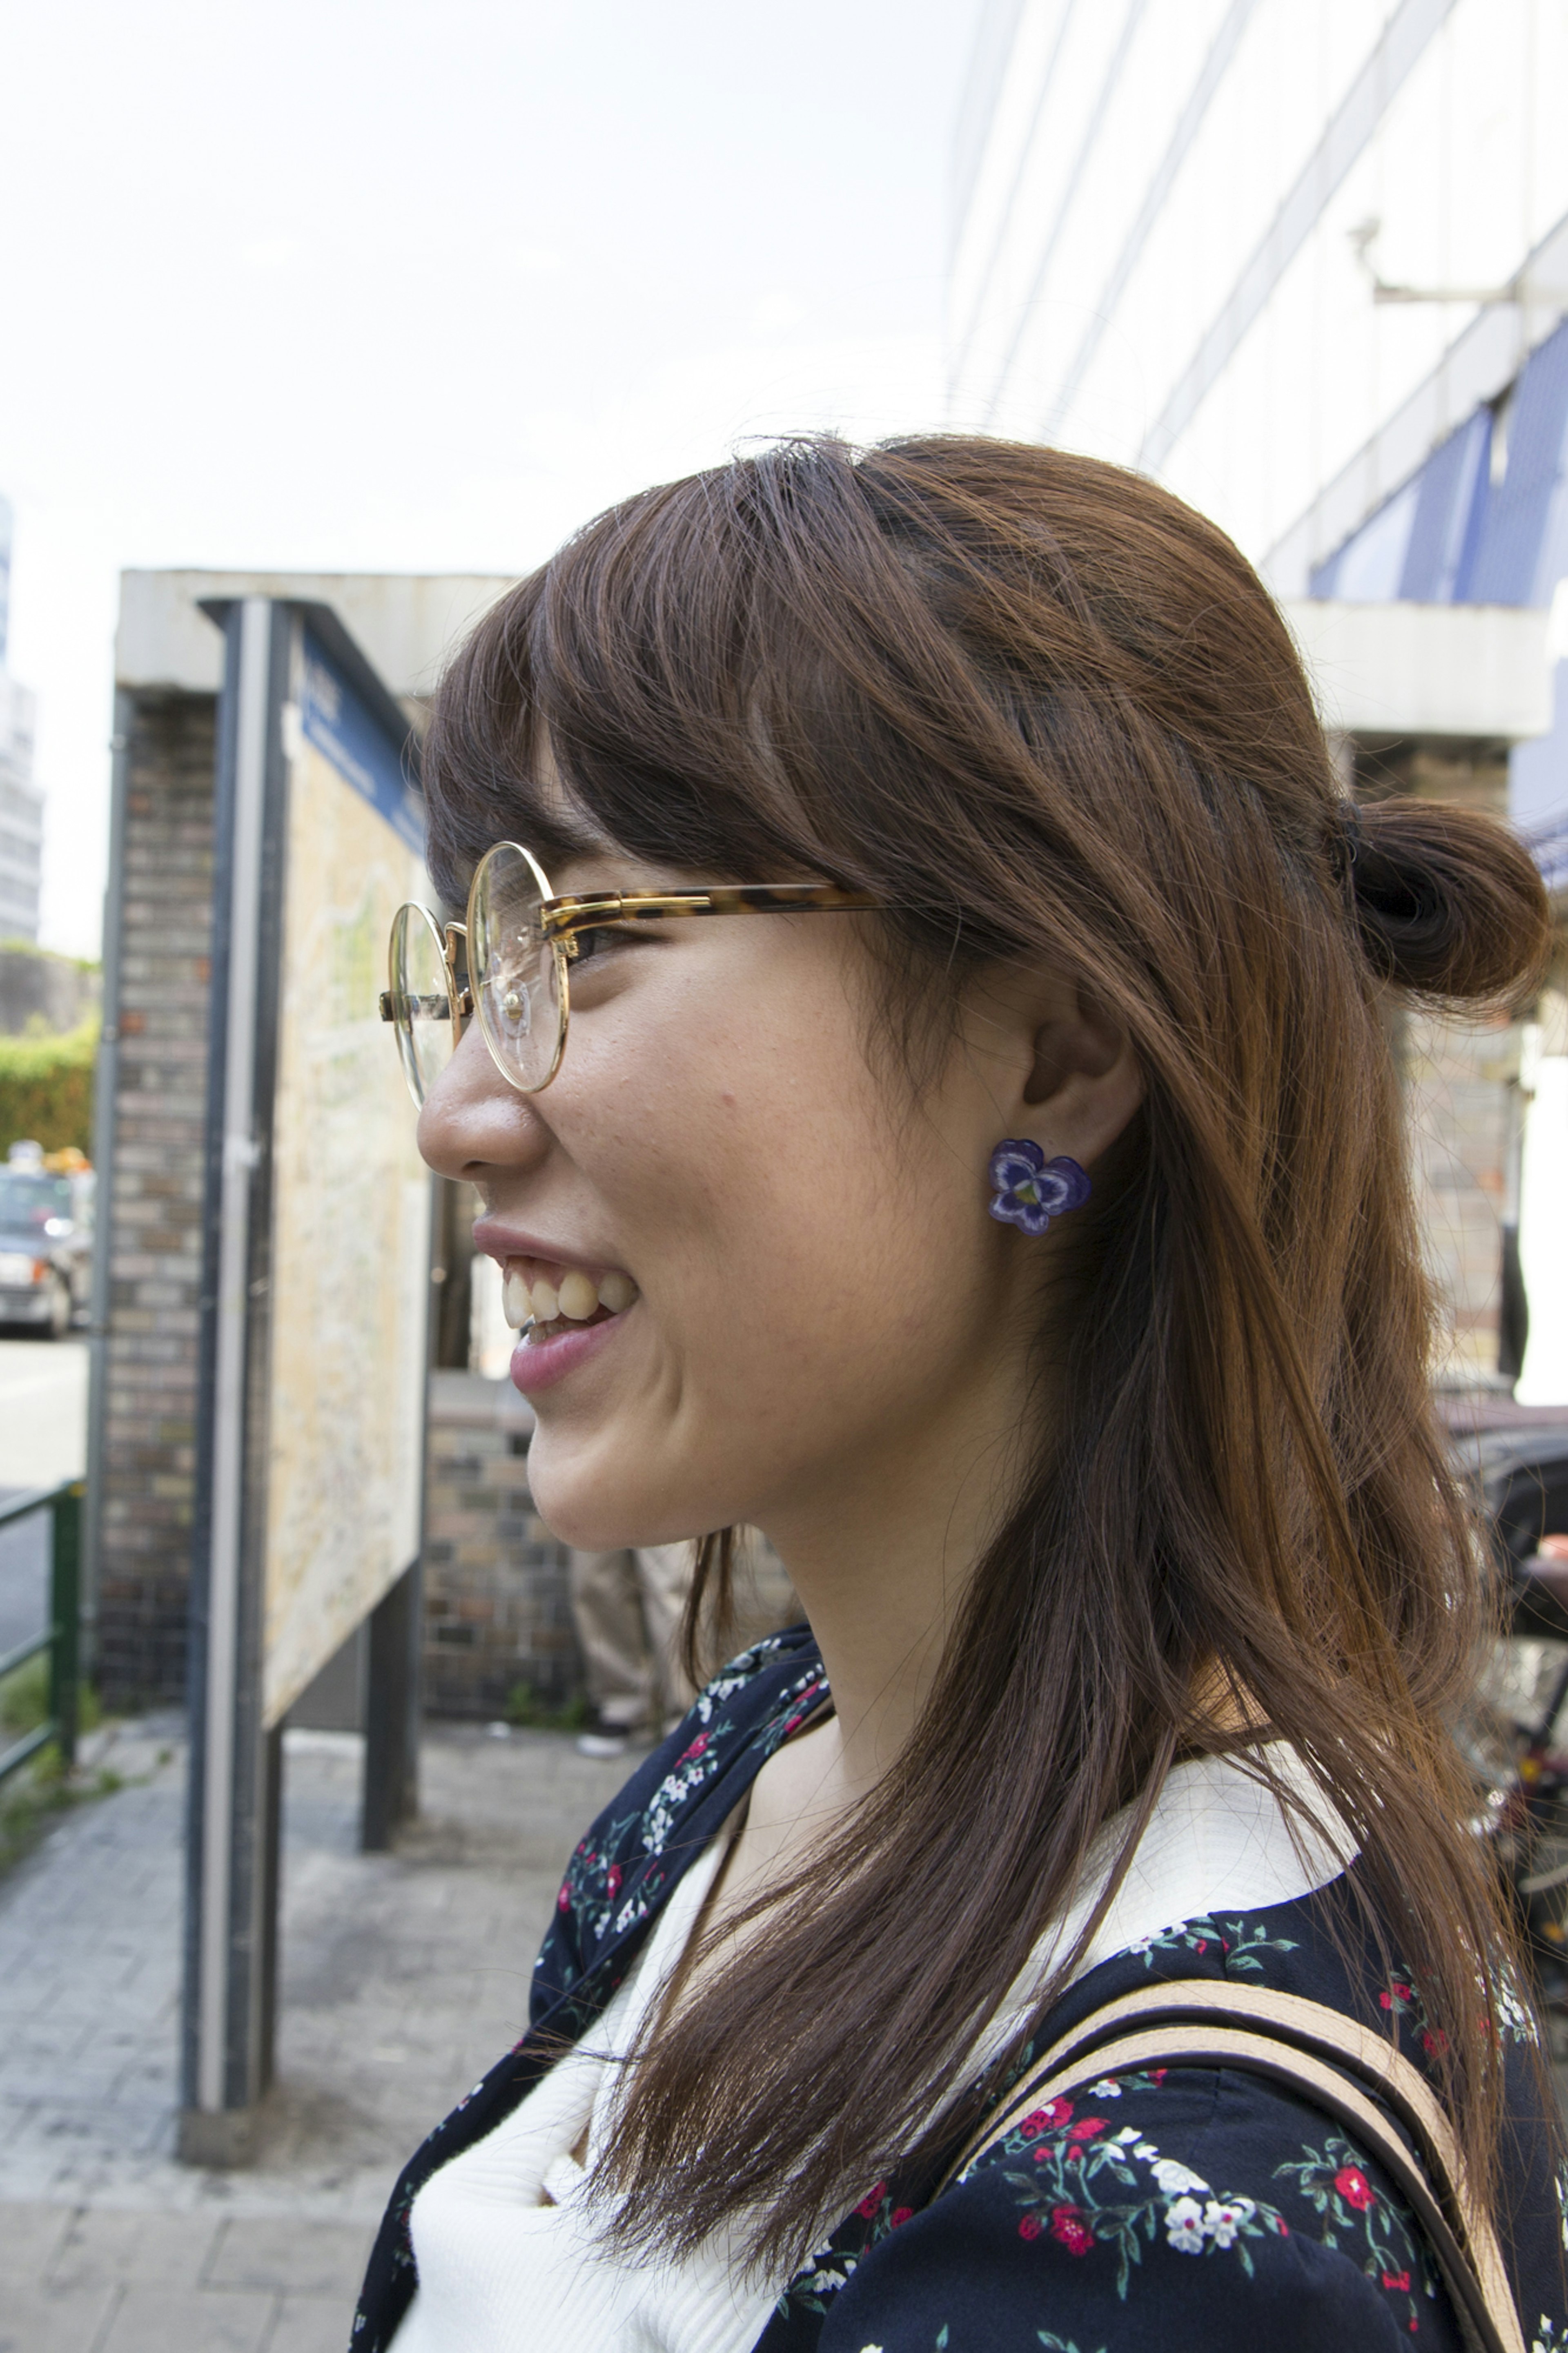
1326, 2057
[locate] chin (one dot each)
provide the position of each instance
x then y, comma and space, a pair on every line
595, 1509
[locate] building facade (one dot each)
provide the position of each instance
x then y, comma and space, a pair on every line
1309, 266
21, 803
21, 816
1239, 244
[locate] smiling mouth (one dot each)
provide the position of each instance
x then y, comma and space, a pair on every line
544, 1301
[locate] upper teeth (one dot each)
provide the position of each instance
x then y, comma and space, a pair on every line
575, 1296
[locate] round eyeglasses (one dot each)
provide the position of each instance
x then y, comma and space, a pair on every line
518, 944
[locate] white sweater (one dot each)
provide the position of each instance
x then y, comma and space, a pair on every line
509, 2264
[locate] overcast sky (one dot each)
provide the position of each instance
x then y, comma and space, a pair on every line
415, 285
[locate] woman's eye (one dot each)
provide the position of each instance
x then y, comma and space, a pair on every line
602, 940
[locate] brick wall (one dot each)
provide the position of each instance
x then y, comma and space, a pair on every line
1459, 1080
154, 1238
496, 1611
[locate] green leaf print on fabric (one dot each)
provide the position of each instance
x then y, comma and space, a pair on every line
1380, 2231
1235, 1942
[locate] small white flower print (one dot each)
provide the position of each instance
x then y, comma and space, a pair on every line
1147, 1944
1185, 2226
1129, 2133
825, 2283
1173, 2177
1107, 2088
1223, 2218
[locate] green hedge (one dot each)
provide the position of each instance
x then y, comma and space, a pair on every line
46, 1089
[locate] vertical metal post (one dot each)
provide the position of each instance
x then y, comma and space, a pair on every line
394, 1698
234, 1784
65, 1616
272, 1873
391, 1712
1513, 1300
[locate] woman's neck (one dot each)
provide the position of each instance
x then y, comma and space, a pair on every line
882, 1568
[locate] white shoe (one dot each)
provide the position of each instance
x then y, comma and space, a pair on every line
603, 1740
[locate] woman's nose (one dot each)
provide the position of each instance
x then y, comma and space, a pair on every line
472, 1120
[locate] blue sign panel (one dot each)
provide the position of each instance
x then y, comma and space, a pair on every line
336, 722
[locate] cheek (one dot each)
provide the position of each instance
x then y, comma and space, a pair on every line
812, 1263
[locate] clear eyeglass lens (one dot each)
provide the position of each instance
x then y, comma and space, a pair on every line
421, 1001
514, 970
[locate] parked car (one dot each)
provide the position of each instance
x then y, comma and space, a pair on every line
45, 1239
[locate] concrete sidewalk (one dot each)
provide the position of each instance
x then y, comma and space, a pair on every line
402, 1978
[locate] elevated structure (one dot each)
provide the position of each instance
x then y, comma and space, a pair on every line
21, 803
21, 816
1310, 268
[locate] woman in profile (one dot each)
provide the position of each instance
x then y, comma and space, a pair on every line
1014, 1225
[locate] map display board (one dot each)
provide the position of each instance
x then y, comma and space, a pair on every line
316, 1269
350, 1196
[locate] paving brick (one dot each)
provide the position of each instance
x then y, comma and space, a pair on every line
104, 2246
156, 2320
312, 2323
34, 2232
54, 2320
314, 2259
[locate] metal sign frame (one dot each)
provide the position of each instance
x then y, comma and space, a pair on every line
236, 1770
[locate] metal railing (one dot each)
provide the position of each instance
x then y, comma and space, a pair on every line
62, 1636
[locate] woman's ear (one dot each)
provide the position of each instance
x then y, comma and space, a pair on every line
1075, 1038
1084, 1083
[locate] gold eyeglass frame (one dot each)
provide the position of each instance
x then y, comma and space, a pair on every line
562, 916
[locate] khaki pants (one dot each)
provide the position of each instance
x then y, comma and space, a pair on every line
627, 1608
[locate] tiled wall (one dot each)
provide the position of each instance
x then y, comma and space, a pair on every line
496, 1611
155, 1236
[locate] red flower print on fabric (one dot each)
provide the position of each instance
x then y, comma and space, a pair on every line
1050, 2119
866, 2208
1396, 2279
1354, 2187
1029, 2227
1086, 2126
1068, 2230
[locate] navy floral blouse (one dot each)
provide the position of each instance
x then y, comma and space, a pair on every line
1154, 2213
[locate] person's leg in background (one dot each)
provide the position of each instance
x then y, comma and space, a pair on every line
608, 1612
664, 1574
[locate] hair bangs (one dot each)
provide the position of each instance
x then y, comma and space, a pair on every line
649, 689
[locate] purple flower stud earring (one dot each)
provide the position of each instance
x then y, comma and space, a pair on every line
1028, 1190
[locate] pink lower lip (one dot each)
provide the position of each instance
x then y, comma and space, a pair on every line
537, 1366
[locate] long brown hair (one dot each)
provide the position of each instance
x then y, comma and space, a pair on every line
1043, 709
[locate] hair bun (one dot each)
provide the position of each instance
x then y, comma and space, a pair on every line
1447, 901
